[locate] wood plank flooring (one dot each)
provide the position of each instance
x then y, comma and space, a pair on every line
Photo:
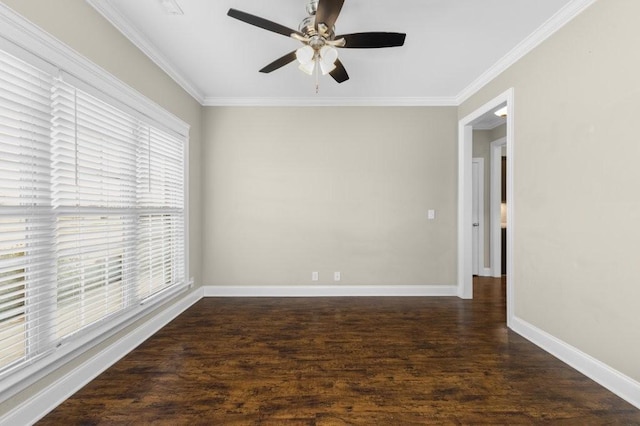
339, 361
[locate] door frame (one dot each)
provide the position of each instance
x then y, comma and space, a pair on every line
465, 146
495, 233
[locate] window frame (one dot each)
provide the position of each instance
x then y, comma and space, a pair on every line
22, 39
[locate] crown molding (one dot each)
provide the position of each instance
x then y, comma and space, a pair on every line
553, 24
329, 102
116, 19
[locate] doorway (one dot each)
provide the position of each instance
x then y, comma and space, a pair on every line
465, 196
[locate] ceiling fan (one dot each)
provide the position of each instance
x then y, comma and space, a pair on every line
317, 34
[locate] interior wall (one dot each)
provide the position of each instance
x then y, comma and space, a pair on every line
577, 204
79, 26
498, 132
288, 191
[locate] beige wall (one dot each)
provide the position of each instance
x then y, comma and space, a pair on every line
577, 203
79, 26
498, 132
289, 191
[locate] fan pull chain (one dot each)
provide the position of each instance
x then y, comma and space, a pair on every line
317, 72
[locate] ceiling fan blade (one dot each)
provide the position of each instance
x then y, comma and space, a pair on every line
279, 63
262, 23
339, 74
328, 11
372, 40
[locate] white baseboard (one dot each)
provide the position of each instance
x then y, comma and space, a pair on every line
330, 291
486, 272
36, 407
623, 386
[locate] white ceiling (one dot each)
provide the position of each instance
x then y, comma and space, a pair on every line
452, 47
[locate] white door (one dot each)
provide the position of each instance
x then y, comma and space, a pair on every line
477, 216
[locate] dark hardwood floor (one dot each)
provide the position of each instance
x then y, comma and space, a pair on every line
335, 361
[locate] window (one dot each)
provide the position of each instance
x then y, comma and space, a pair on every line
92, 218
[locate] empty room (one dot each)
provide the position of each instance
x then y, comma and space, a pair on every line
319, 212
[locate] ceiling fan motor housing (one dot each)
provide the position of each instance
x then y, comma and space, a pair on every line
312, 7
308, 25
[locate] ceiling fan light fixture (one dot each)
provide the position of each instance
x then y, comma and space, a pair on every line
502, 112
308, 67
329, 54
326, 68
305, 55
328, 58
317, 34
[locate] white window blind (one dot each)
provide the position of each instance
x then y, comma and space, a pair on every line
94, 200
160, 197
91, 212
26, 226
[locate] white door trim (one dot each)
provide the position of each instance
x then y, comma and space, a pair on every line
465, 141
495, 233
465, 147
480, 265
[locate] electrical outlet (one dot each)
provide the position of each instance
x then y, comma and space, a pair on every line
314, 276
336, 276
